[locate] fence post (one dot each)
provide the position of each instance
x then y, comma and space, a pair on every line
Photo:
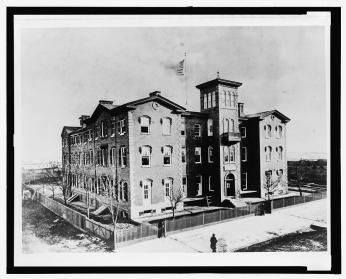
203, 218
294, 200
220, 214
283, 202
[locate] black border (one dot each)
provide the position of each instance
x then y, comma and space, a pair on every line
335, 108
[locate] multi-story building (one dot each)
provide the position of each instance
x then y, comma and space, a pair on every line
138, 153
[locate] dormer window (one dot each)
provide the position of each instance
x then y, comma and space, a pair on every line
145, 124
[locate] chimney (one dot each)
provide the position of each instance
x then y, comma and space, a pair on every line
155, 93
105, 102
240, 109
81, 120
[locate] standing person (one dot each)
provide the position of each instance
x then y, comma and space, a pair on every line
213, 242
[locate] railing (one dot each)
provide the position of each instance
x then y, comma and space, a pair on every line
143, 231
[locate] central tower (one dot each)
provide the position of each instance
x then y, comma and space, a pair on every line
219, 99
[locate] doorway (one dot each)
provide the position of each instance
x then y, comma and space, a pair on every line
230, 185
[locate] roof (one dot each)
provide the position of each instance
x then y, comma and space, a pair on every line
219, 81
69, 129
132, 105
263, 114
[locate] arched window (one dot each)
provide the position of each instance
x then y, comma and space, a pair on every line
232, 100
213, 99
232, 153
269, 131
209, 100
205, 99
210, 154
145, 154
232, 126
166, 125
225, 98
279, 132
225, 125
145, 124
279, 150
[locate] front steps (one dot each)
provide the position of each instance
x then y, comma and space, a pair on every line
72, 198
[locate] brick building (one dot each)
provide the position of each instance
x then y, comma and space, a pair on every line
139, 152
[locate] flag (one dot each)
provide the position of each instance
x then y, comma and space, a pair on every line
180, 68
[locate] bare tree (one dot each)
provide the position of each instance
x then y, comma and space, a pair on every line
270, 185
175, 197
300, 175
54, 177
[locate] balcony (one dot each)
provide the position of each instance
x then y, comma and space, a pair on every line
231, 137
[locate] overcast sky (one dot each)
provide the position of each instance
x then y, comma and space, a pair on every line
65, 71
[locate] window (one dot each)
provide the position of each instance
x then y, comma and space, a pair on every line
268, 131
244, 154
213, 99
183, 127
227, 100
198, 155
279, 150
233, 100
112, 128
168, 186
104, 154
210, 154
123, 196
112, 156
268, 174
122, 127
199, 185
167, 155
90, 136
96, 132
184, 183
279, 173
279, 132
225, 125
183, 154
209, 100
146, 191
210, 127
91, 156
205, 104
244, 181
104, 129
166, 126
243, 132
145, 153
211, 183
145, 124
197, 130
268, 151
122, 156
232, 126
86, 136
229, 154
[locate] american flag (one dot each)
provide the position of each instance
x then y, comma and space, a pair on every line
180, 68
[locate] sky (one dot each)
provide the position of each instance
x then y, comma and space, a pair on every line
65, 71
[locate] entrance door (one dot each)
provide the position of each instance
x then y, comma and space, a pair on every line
146, 193
230, 185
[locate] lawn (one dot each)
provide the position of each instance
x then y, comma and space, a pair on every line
315, 240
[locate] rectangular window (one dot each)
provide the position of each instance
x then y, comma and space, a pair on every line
205, 104
183, 154
211, 185
167, 156
209, 100
244, 154
91, 152
122, 127
168, 186
183, 127
197, 130
210, 127
112, 128
145, 122
166, 126
123, 157
213, 99
243, 132
198, 156
104, 158
97, 132
199, 185
244, 181
146, 191
145, 156
90, 136
226, 154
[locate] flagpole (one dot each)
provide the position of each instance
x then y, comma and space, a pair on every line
186, 79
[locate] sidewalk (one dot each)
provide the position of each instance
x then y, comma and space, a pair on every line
239, 233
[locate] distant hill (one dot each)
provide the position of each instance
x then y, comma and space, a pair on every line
296, 156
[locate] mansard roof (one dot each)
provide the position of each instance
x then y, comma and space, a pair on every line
262, 115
